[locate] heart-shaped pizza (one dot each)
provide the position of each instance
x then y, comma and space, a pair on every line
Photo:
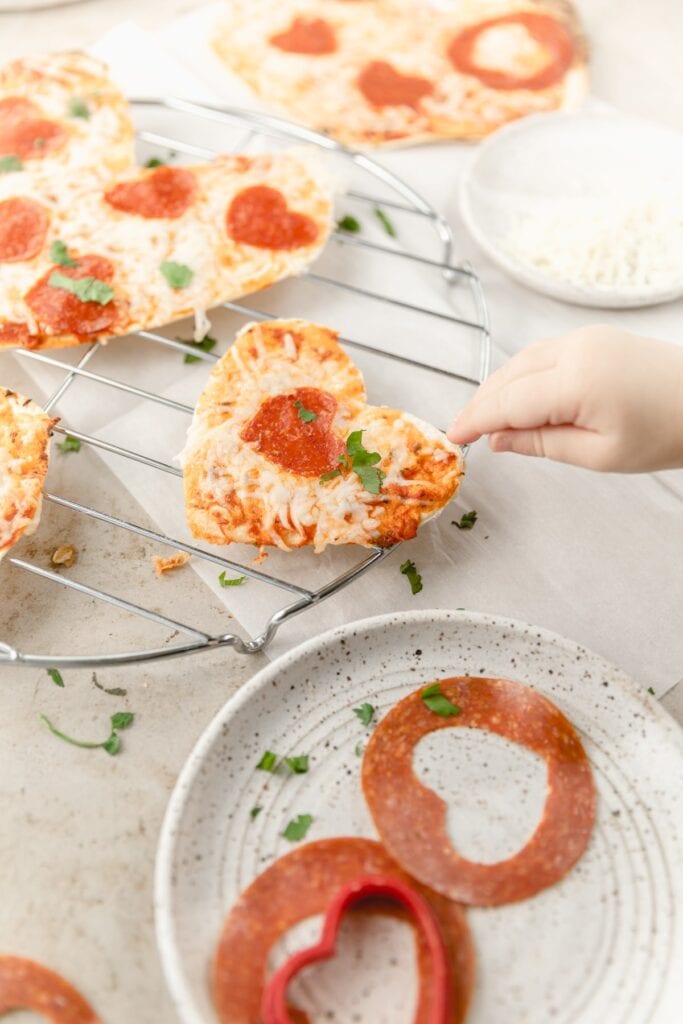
284, 449
93, 246
24, 442
373, 72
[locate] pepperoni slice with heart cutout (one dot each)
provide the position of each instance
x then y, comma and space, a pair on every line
553, 38
384, 86
63, 312
312, 36
28, 985
259, 216
165, 192
24, 132
24, 225
302, 884
398, 800
295, 431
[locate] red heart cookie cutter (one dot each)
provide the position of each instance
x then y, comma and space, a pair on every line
274, 1007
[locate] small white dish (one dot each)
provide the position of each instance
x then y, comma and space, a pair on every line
526, 170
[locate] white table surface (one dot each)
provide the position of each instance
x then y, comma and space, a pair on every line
79, 832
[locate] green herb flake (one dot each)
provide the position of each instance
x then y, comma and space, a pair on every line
438, 703
467, 521
268, 762
177, 274
358, 750
365, 712
385, 222
230, 581
112, 745
297, 764
154, 161
60, 254
205, 345
362, 462
650, 690
305, 414
78, 108
349, 224
113, 691
122, 720
255, 811
70, 444
56, 676
298, 827
87, 289
330, 476
408, 569
10, 163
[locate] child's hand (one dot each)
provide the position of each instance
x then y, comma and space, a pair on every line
597, 397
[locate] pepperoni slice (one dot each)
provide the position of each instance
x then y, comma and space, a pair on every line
279, 432
300, 885
384, 86
62, 312
259, 216
14, 334
398, 800
24, 132
306, 35
23, 227
27, 985
164, 192
554, 38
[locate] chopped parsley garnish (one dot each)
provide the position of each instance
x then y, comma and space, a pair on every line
70, 444
365, 712
112, 744
60, 254
113, 691
362, 462
78, 108
650, 690
10, 163
438, 703
205, 345
358, 750
55, 676
268, 762
87, 289
230, 581
255, 811
298, 827
305, 414
154, 161
176, 274
467, 521
298, 763
385, 222
408, 569
348, 223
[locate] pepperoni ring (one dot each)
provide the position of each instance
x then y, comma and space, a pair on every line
23, 227
300, 885
306, 35
549, 33
24, 132
27, 985
279, 433
384, 86
63, 312
411, 819
164, 192
259, 216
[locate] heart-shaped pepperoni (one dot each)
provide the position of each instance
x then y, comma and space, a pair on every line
259, 216
384, 86
275, 1009
163, 192
306, 35
24, 132
63, 312
23, 227
294, 430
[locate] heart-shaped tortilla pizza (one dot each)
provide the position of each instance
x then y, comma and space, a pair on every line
93, 246
285, 451
374, 72
24, 443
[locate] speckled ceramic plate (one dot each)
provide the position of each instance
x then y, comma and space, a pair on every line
601, 947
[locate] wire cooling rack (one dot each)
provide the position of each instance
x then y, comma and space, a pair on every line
345, 283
